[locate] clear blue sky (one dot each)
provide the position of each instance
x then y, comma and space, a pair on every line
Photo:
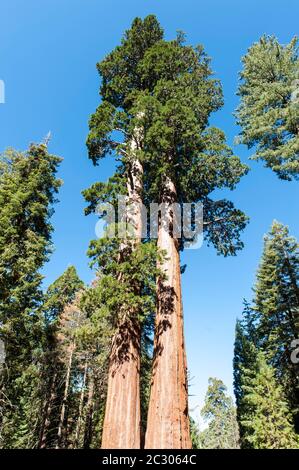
48, 52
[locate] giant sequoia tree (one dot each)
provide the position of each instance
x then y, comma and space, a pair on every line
184, 161
269, 110
28, 186
159, 95
121, 84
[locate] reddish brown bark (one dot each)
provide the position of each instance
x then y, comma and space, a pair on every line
121, 428
168, 420
122, 422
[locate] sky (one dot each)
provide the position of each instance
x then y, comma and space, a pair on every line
48, 55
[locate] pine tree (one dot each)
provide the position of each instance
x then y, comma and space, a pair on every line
245, 351
276, 303
269, 112
222, 431
268, 421
28, 186
94, 339
61, 293
269, 324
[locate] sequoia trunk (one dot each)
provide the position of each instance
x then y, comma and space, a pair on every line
168, 420
122, 422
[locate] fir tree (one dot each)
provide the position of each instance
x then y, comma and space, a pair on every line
276, 303
268, 422
28, 185
245, 352
269, 324
61, 293
222, 431
269, 112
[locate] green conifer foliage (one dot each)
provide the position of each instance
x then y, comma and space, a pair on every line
28, 186
269, 110
276, 303
245, 352
263, 344
59, 295
220, 413
179, 143
62, 292
268, 422
158, 96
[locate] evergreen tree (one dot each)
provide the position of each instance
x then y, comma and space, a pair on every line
276, 303
184, 160
61, 294
195, 435
222, 431
268, 422
269, 112
270, 325
159, 95
121, 83
245, 352
124, 293
75, 364
28, 185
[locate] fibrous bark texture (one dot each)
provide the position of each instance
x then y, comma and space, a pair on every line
122, 422
168, 420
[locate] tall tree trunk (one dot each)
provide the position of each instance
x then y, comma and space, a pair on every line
47, 411
89, 412
122, 422
168, 420
65, 399
81, 402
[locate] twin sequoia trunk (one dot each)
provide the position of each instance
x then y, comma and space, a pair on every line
122, 422
168, 420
